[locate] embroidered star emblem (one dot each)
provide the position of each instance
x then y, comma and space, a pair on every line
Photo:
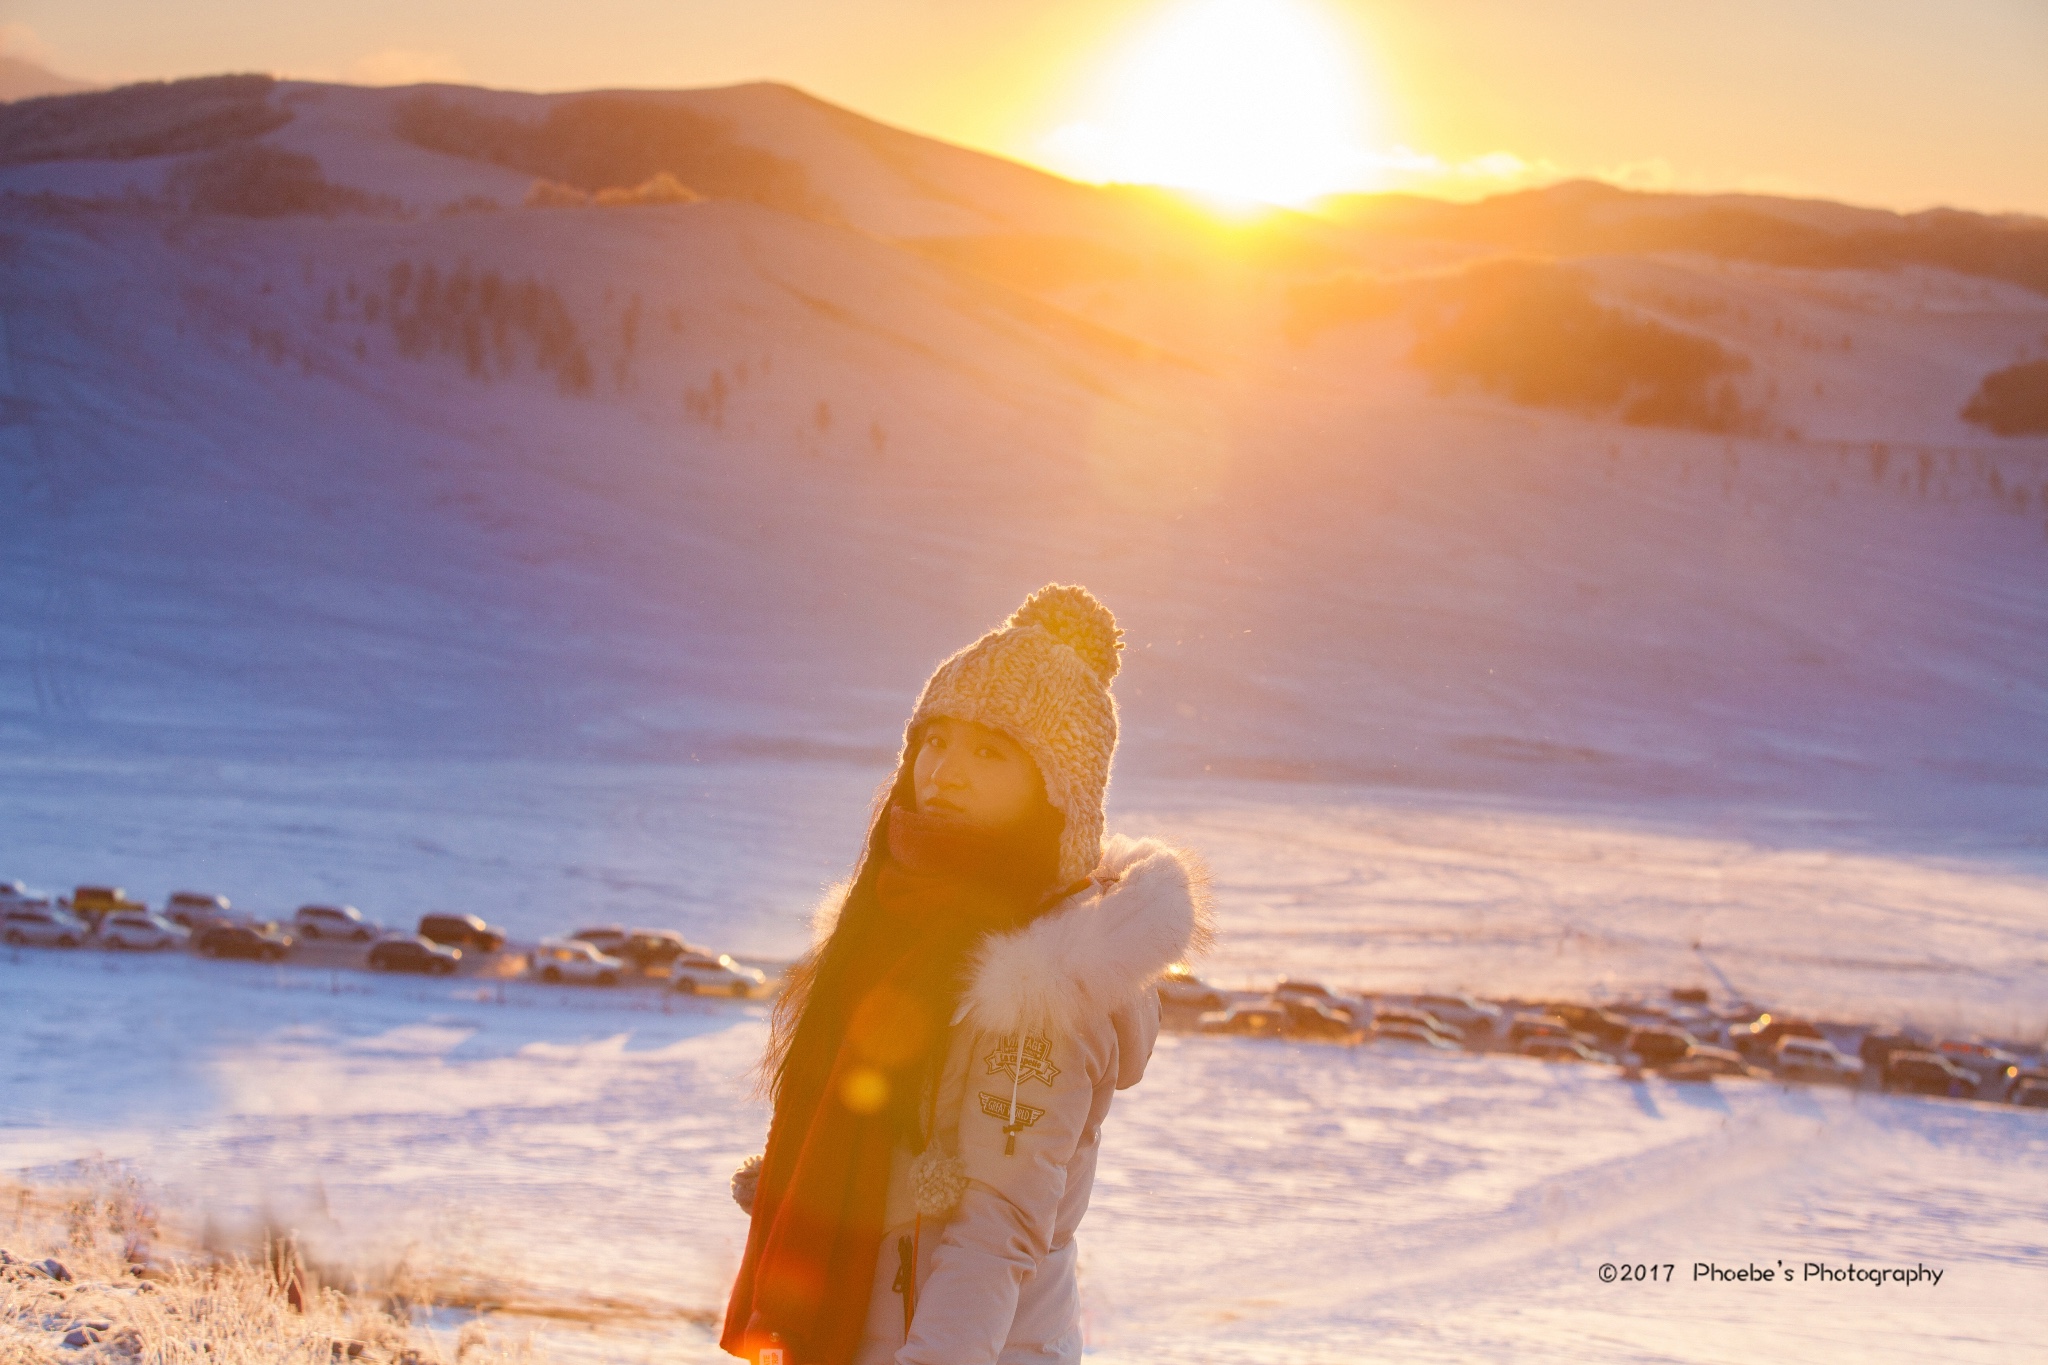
1031, 1062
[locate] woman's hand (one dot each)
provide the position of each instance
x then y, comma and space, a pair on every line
745, 1181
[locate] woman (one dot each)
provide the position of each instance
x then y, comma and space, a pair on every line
941, 1063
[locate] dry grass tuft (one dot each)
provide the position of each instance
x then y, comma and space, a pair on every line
133, 1296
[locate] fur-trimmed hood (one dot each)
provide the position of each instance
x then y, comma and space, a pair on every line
1146, 907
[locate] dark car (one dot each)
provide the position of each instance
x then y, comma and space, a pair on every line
1689, 995
1548, 1048
1760, 1038
462, 931
1602, 1026
1313, 1019
652, 951
414, 955
1421, 1018
1876, 1049
1660, 1046
1527, 1026
1928, 1073
263, 942
1707, 1064
603, 937
2031, 1094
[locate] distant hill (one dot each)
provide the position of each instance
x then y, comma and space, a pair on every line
22, 79
1587, 216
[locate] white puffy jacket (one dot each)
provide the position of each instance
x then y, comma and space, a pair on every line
1057, 1017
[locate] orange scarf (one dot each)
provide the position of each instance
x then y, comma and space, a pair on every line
850, 1089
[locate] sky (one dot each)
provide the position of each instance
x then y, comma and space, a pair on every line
1897, 103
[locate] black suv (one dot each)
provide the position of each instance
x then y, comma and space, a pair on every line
1928, 1073
462, 931
264, 943
414, 955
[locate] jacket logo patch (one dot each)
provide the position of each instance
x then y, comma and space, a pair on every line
996, 1107
1031, 1062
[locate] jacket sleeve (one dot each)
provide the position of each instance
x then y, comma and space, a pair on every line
1004, 1225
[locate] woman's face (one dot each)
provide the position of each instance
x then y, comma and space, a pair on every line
975, 773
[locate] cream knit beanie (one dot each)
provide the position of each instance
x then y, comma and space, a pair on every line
1042, 678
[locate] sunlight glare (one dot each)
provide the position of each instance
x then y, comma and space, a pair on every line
1238, 99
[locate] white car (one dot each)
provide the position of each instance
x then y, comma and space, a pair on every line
333, 921
194, 908
1815, 1059
569, 959
703, 974
41, 923
16, 893
142, 930
1462, 1012
1405, 1033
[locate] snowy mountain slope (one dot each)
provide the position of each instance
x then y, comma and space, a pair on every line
1328, 569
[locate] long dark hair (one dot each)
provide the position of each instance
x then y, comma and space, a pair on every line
818, 992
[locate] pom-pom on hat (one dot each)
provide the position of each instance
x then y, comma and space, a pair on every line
1042, 678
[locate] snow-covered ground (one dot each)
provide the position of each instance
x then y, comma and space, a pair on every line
1257, 1203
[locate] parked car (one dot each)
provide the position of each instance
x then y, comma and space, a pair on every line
1815, 1059
1523, 1027
2031, 1094
92, 903
1182, 989
1405, 1034
262, 942
1384, 1015
603, 937
1316, 1019
1990, 1065
1251, 1018
462, 931
695, 973
1876, 1049
651, 951
414, 955
1472, 1018
1707, 1064
1547, 1048
571, 959
1660, 1047
332, 921
1603, 1027
12, 893
196, 909
143, 931
1688, 995
1760, 1038
40, 923
1928, 1073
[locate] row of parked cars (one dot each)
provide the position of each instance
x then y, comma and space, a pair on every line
601, 955
607, 954
1684, 1040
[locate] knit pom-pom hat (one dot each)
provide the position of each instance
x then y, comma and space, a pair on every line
1042, 678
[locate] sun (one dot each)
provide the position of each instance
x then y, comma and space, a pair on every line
1238, 99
